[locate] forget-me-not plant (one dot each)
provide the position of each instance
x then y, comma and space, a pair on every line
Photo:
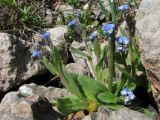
72, 23
36, 53
93, 35
45, 35
122, 43
108, 29
128, 96
122, 40
123, 7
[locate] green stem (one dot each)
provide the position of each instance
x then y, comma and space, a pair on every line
113, 9
111, 58
111, 54
122, 82
129, 23
84, 38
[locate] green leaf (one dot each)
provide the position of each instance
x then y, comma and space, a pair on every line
56, 59
9, 3
105, 75
125, 72
117, 86
131, 85
103, 8
95, 23
80, 52
113, 9
99, 67
49, 66
97, 48
120, 84
72, 84
91, 87
71, 104
122, 30
107, 97
115, 106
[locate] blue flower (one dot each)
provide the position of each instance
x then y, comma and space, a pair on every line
128, 96
123, 7
131, 95
36, 53
123, 40
108, 29
122, 44
124, 92
45, 35
126, 100
72, 23
93, 35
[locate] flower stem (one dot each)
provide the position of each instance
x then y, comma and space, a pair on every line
111, 60
111, 54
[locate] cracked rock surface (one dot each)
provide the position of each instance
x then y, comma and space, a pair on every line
148, 33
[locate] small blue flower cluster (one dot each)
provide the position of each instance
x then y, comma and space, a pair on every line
36, 53
122, 44
46, 35
123, 7
108, 29
72, 23
93, 36
123, 40
128, 96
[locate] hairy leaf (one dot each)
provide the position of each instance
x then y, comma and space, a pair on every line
49, 66
91, 87
107, 97
115, 106
71, 104
73, 84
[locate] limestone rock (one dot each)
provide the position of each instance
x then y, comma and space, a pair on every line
15, 106
147, 27
127, 114
65, 9
80, 45
50, 93
77, 68
16, 65
123, 114
57, 34
88, 117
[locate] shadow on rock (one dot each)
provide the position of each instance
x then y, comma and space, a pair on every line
42, 110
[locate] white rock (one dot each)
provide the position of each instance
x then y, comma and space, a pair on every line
25, 91
16, 65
